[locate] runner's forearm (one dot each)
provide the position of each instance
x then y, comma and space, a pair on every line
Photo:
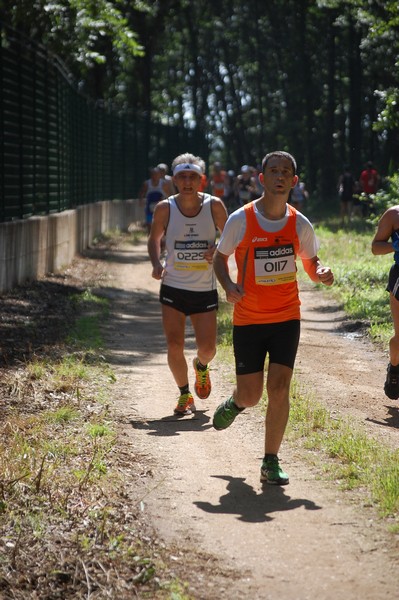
380, 247
154, 251
221, 269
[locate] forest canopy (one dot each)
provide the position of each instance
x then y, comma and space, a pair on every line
317, 78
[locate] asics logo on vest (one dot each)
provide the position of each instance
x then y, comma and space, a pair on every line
258, 239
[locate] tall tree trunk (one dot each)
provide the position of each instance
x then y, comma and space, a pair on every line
328, 173
355, 97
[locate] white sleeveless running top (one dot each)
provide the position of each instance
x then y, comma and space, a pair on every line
186, 240
155, 188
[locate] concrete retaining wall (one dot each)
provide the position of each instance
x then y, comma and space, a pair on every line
33, 247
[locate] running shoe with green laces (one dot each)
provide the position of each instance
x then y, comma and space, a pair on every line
272, 473
202, 384
185, 405
225, 414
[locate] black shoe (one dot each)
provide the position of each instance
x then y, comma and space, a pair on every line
391, 387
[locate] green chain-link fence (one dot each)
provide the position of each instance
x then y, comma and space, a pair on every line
59, 149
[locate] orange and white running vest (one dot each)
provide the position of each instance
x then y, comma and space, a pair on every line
267, 269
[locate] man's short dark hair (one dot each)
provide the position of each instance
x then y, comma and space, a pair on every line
281, 154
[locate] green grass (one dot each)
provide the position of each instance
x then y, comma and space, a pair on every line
348, 455
360, 277
86, 332
225, 330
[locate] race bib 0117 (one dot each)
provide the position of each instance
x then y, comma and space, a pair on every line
274, 265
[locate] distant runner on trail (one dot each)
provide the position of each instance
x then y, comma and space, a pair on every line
386, 240
266, 236
189, 221
152, 191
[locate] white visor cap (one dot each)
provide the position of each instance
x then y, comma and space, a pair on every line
187, 167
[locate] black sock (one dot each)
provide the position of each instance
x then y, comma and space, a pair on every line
267, 456
184, 389
200, 366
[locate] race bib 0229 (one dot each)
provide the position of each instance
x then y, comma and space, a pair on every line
189, 255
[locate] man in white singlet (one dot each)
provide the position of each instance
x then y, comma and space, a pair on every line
188, 222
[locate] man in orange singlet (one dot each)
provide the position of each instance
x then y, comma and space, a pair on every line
266, 236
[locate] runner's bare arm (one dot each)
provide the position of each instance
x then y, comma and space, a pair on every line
388, 223
143, 191
219, 214
158, 227
234, 291
167, 189
317, 272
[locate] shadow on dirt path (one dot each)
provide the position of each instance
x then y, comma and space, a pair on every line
201, 487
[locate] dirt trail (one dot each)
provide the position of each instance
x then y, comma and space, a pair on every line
237, 538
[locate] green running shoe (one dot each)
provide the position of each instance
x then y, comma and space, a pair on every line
272, 473
225, 414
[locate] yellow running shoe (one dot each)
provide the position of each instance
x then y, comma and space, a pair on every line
202, 384
185, 405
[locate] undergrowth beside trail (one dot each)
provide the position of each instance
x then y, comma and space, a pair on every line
67, 528
346, 454
360, 277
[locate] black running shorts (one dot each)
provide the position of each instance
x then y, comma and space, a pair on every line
393, 281
188, 302
253, 342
